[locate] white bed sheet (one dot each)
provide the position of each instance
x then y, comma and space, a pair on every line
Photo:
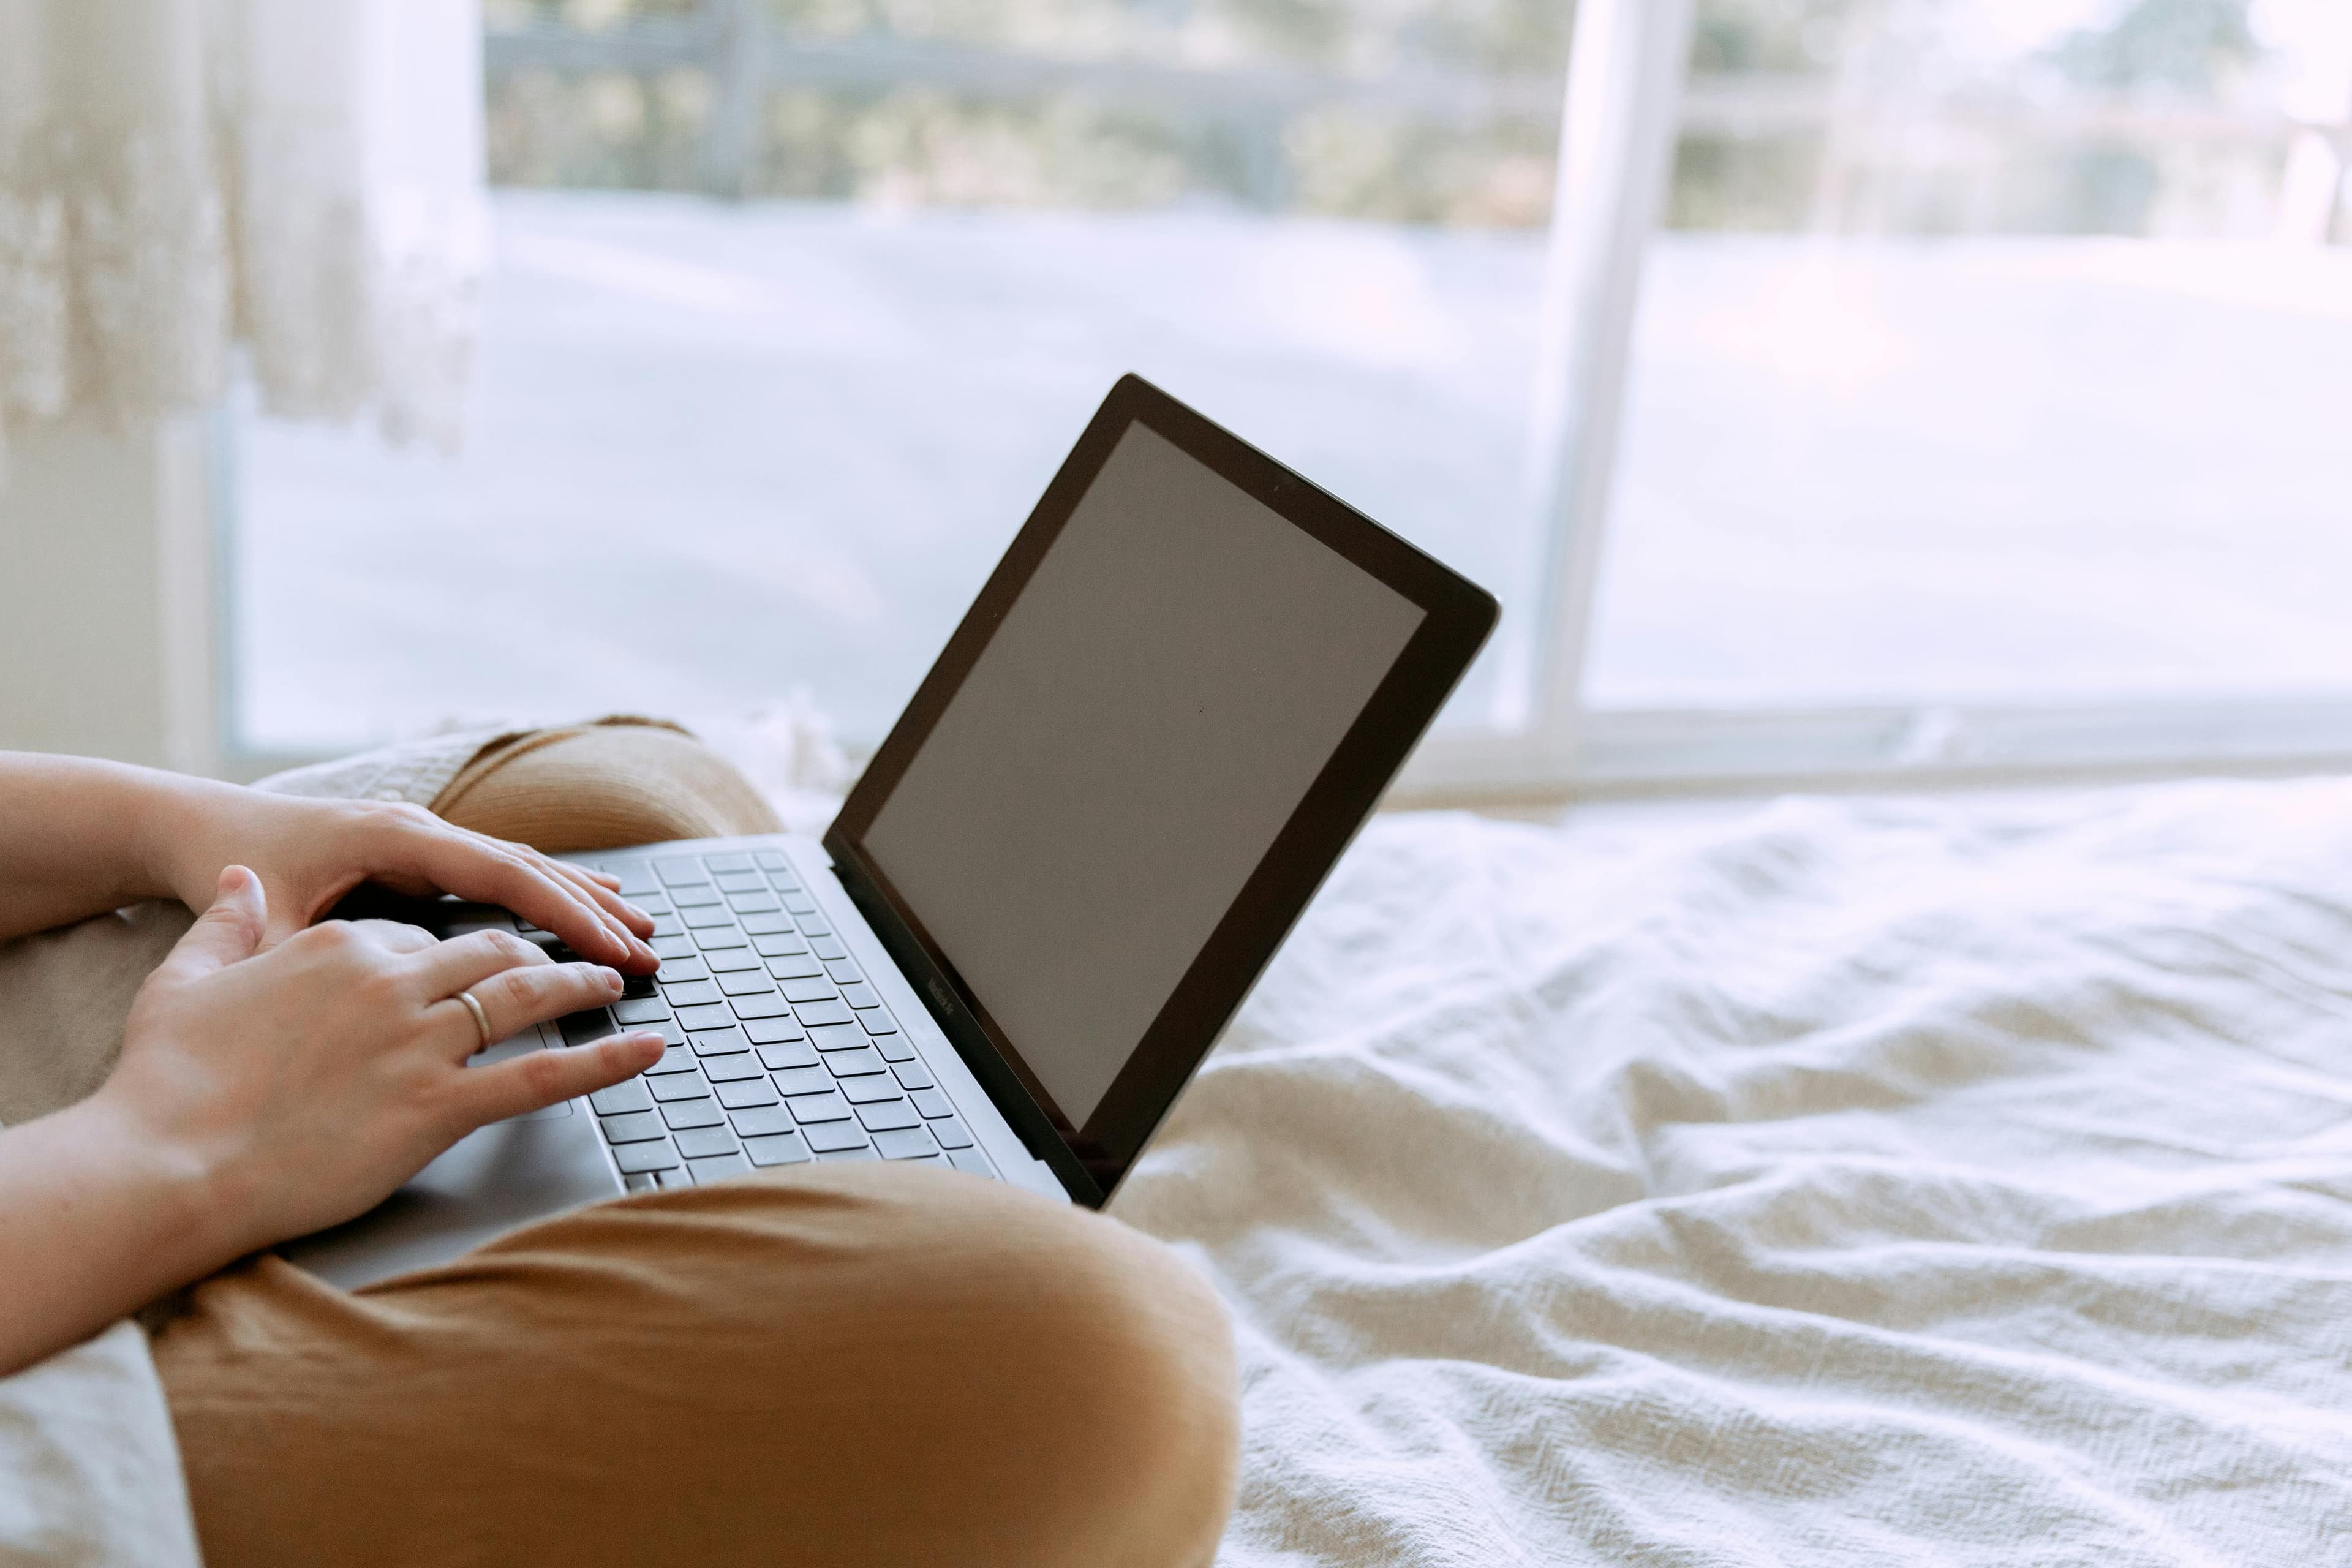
1854, 1181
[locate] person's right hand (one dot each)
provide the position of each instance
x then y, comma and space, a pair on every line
299, 1087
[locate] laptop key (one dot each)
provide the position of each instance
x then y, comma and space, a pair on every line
579, 1028
681, 1177
678, 1086
792, 1054
854, 1064
675, 869
635, 1157
876, 1018
972, 1159
732, 960
715, 1017
802, 1080
720, 1169
904, 1144
758, 903
869, 1091
668, 947
838, 1037
844, 972
636, 878
814, 1108
930, 1103
758, 1120
734, 1069
800, 903
738, 878
633, 1128
627, 1095
784, 1148
767, 924
829, 1138
638, 1181
717, 915
641, 1010
699, 896
779, 944
827, 946
676, 1059
914, 1075
813, 927
814, 1015
894, 1047
860, 996
857, 1154
816, 990
950, 1133
883, 1118
801, 966
667, 926
703, 1143
690, 993
773, 860
748, 983
711, 939
720, 1042
685, 1113
775, 1031
745, 1093
768, 1006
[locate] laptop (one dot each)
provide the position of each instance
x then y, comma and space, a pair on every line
1175, 701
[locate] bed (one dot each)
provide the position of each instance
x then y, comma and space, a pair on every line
1835, 1181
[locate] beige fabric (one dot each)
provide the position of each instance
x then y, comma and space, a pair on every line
837, 1365
87, 1475
618, 781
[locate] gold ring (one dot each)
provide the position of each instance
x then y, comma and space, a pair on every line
481, 1019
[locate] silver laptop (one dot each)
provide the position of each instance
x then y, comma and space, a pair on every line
1176, 699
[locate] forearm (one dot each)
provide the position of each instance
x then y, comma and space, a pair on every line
79, 837
97, 1219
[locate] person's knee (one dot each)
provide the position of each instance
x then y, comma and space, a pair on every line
1096, 1370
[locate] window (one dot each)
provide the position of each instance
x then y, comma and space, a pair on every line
1895, 386
797, 308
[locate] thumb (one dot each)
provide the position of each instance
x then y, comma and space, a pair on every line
229, 930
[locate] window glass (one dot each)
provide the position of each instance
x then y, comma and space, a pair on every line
1992, 349
723, 450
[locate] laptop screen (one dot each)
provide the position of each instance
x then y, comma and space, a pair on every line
1154, 705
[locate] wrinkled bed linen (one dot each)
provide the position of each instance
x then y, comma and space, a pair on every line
1852, 1182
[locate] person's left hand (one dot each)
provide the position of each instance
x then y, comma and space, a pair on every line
310, 853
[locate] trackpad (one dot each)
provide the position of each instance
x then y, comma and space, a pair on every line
505, 1175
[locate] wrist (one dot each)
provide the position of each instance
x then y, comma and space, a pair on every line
184, 1193
171, 818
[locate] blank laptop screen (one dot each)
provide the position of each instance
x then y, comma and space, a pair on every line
1152, 709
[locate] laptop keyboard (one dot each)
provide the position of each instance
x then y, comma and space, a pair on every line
780, 1051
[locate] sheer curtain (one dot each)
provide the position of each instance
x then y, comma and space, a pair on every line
179, 177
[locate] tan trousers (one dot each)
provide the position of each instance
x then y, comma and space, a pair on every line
839, 1364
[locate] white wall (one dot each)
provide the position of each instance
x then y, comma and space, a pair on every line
107, 600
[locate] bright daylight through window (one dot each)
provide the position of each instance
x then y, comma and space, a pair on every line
1989, 360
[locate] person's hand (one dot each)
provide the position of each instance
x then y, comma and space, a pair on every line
295, 1087
310, 853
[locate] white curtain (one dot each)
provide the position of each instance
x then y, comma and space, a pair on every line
177, 177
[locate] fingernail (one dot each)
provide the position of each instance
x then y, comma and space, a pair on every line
612, 981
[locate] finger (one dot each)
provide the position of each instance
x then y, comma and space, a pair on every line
476, 868
449, 967
514, 999
606, 890
541, 1079
229, 930
395, 936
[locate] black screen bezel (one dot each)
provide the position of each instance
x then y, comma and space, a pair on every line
1091, 1159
